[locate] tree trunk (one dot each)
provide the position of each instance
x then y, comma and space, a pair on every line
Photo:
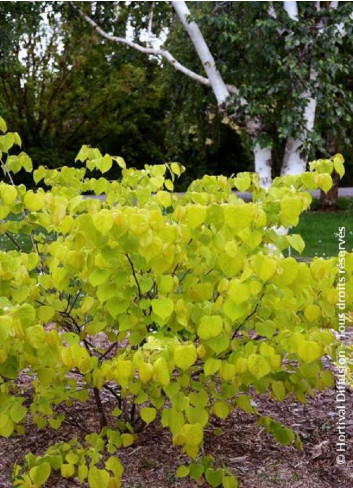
328, 202
263, 165
218, 86
293, 164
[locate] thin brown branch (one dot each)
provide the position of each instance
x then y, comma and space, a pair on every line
102, 417
18, 246
103, 355
248, 316
134, 275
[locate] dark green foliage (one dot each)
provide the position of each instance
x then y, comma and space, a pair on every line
75, 90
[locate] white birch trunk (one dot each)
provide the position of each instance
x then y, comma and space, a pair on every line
291, 8
263, 165
218, 86
293, 164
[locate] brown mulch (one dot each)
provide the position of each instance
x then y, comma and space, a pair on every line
241, 445
244, 447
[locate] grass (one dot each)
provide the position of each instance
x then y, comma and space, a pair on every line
319, 229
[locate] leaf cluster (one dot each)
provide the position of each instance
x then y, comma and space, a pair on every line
198, 307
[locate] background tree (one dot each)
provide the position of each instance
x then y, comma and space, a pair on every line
285, 67
63, 88
64, 83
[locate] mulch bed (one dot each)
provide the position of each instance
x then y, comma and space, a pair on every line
244, 447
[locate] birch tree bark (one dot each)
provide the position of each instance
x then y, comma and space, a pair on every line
263, 165
262, 155
293, 163
217, 84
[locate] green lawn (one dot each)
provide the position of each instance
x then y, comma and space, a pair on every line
319, 229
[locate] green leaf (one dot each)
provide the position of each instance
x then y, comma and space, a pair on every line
163, 308
98, 276
244, 403
195, 216
265, 267
6, 142
13, 164
55, 423
82, 154
242, 181
267, 328
114, 464
234, 310
182, 471
17, 413
285, 436
103, 221
196, 470
211, 366
120, 161
230, 481
116, 307
185, 356
219, 344
67, 470
17, 139
258, 366
164, 198
98, 477
127, 440
40, 473
169, 185
148, 414
308, 180
34, 201
175, 167
8, 194
35, 336
193, 434
296, 242
6, 426
39, 174
279, 390
82, 473
328, 378
209, 327
214, 477
161, 371
221, 409
324, 181
3, 126
309, 351
46, 313
312, 312
104, 164
26, 162
338, 163
72, 458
